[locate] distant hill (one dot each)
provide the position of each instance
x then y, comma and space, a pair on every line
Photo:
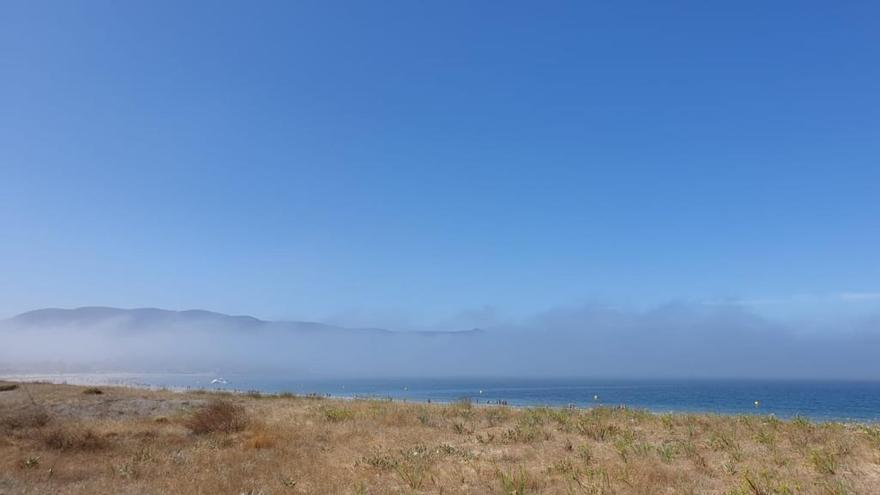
145, 319
98, 315
151, 339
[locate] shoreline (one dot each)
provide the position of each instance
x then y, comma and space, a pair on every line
125, 379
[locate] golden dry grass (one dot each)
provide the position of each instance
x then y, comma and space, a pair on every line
145, 442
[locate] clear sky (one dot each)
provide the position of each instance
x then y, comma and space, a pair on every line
406, 161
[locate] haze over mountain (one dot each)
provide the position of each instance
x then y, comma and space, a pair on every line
151, 339
144, 319
674, 340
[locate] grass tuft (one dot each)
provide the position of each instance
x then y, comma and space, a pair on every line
824, 461
516, 482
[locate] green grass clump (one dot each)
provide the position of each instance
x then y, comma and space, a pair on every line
824, 461
338, 414
516, 482
526, 434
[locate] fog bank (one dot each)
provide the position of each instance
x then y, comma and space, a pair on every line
676, 340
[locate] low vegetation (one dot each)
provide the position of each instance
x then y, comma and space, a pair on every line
62, 439
217, 416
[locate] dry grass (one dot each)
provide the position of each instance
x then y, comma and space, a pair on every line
205, 444
218, 416
74, 437
30, 416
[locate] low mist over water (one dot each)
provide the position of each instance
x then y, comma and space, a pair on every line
677, 340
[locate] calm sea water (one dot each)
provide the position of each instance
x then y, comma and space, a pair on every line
818, 400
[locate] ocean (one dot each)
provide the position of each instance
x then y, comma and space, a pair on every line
857, 401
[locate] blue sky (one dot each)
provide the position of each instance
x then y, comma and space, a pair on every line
403, 162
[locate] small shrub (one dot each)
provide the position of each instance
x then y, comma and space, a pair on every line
380, 461
412, 473
585, 453
217, 416
92, 391
767, 438
145, 454
462, 409
801, 422
496, 415
689, 449
642, 449
446, 450
424, 418
729, 467
595, 429
74, 438
837, 487
29, 417
563, 467
721, 441
593, 481
6, 387
765, 484
460, 428
526, 434
127, 470
623, 447
534, 416
873, 435
414, 465
489, 438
